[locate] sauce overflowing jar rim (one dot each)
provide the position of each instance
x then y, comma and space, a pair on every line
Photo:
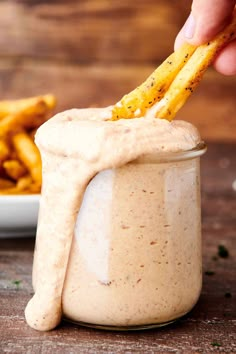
164, 157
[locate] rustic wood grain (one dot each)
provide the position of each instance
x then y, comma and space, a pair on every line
84, 31
211, 108
212, 320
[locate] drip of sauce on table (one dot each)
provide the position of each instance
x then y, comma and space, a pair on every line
75, 146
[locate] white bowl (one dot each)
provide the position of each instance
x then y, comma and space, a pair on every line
18, 215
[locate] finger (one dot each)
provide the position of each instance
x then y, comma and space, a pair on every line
180, 39
207, 18
225, 62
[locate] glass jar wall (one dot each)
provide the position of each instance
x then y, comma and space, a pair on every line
135, 260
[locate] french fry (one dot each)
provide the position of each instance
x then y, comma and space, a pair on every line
4, 150
15, 191
23, 119
10, 107
24, 183
29, 155
20, 161
34, 188
11, 191
135, 103
5, 184
14, 169
50, 101
191, 74
32, 133
173, 87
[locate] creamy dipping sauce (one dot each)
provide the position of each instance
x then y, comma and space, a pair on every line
83, 151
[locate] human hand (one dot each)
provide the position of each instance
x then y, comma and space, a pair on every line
207, 18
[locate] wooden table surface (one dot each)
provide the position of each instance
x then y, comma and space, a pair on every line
210, 327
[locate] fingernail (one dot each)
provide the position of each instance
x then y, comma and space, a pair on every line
189, 27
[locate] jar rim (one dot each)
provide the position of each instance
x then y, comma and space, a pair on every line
173, 156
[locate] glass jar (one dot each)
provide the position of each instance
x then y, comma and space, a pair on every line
136, 260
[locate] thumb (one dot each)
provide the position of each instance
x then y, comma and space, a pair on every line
207, 18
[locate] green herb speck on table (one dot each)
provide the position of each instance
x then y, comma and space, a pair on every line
216, 344
17, 283
223, 252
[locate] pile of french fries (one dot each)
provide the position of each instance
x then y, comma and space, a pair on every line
20, 162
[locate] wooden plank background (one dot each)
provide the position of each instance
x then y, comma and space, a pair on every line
91, 52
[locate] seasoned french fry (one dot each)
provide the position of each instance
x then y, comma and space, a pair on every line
192, 73
14, 169
5, 184
20, 161
16, 191
9, 107
174, 80
32, 133
28, 154
11, 191
23, 119
4, 150
34, 188
135, 103
50, 101
24, 183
